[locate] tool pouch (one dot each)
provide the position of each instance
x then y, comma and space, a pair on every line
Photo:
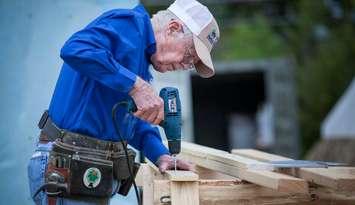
126, 184
90, 176
120, 166
88, 172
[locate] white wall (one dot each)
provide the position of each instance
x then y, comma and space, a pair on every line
31, 35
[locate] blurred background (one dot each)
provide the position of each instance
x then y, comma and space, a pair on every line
284, 78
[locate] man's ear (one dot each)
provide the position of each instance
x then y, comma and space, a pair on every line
174, 26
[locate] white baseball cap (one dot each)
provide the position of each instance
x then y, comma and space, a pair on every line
205, 31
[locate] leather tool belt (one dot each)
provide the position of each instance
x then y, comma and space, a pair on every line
82, 165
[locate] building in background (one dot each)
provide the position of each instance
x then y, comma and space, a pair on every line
228, 107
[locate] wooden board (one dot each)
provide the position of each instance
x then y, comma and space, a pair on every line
205, 173
230, 191
208, 153
258, 155
147, 181
183, 192
183, 185
145, 178
238, 166
227, 192
179, 175
339, 178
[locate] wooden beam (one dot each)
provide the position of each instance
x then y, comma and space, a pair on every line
147, 180
181, 175
239, 167
184, 192
228, 192
183, 187
339, 178
277, 181
208, 153
258, 155
205, 173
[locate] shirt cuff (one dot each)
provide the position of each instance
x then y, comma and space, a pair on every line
125, 79
154, 148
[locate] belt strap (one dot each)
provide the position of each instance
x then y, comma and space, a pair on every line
51, 132
52, 200
49, 128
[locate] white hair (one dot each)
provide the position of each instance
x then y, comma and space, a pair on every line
162, 18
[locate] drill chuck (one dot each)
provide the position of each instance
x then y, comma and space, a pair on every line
174, 146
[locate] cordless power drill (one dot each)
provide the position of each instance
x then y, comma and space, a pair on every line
172, 119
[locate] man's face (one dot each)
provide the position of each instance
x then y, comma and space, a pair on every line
174, 52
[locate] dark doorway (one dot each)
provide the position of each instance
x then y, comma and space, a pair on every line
216, 98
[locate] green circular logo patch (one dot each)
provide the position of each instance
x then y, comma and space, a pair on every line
92, 177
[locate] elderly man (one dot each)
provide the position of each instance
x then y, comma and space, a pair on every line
104, 63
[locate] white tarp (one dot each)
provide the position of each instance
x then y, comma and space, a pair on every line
340, 121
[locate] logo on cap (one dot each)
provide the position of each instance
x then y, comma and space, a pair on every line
212, 37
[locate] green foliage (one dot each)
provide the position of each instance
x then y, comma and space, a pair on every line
250, 40
325, 66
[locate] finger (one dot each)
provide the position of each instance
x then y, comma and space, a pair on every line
159, 118
184, 165
163, 166
160, 115
153, 116
149, 109
139, 113
146, 115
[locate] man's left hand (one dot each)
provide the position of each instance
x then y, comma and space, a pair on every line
166, 162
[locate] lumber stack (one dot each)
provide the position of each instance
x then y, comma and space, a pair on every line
239, 166
338, 178
244, 177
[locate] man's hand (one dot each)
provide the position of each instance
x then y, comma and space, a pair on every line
150, 107
166, 162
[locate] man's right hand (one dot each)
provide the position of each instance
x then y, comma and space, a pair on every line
150, 107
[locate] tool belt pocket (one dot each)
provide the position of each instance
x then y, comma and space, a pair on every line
120, 166
82, 171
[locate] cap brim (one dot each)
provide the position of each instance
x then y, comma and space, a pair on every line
205, 66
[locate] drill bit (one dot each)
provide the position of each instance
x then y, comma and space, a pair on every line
174, 158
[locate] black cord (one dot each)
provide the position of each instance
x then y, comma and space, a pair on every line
60, 187
114, 110
41, 188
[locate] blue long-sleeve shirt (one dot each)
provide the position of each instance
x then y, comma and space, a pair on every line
101, 63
